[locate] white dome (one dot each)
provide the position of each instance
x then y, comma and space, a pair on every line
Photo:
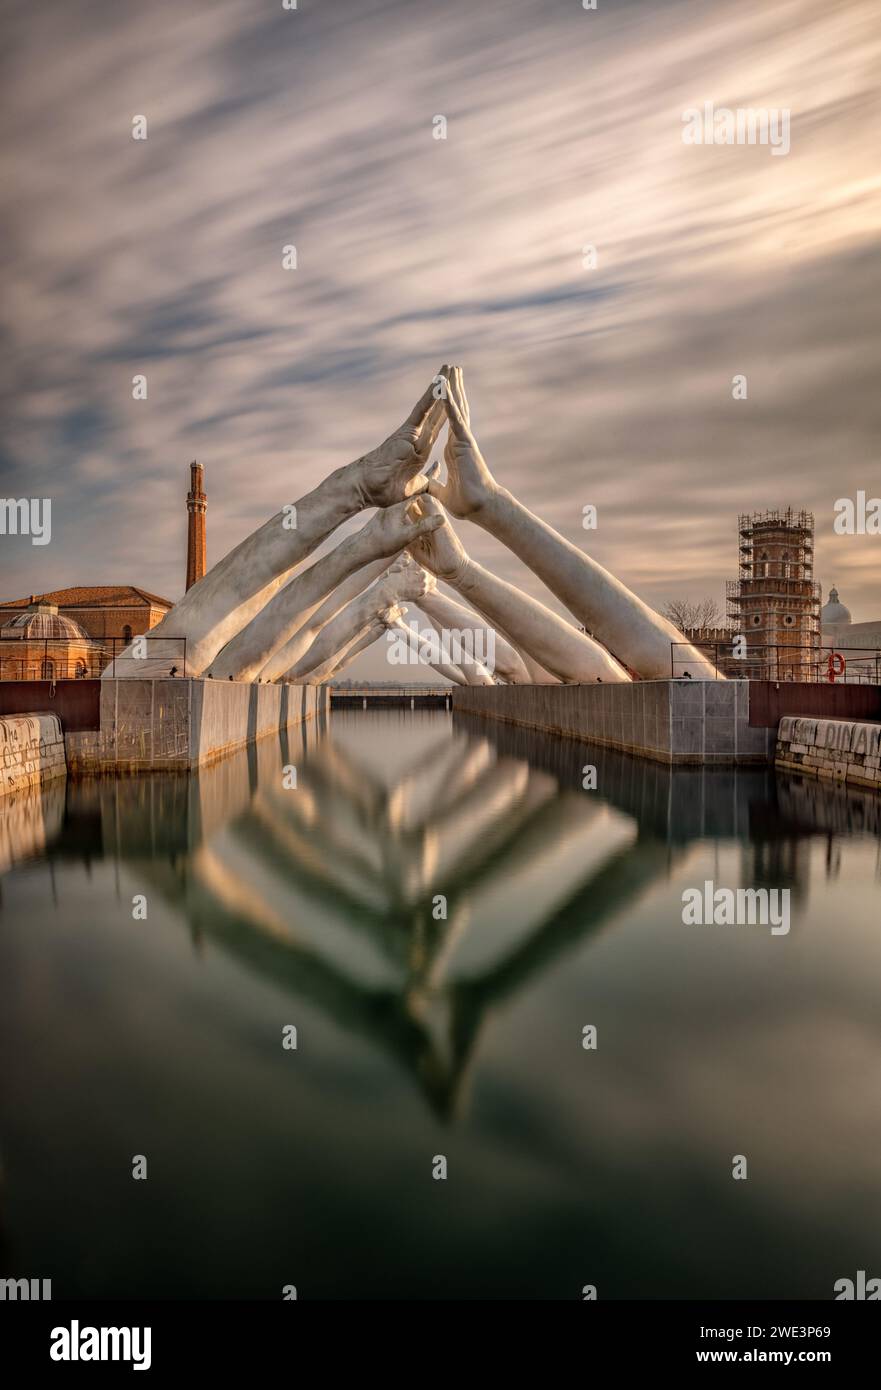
833, 613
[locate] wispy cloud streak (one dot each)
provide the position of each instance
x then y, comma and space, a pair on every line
610, 386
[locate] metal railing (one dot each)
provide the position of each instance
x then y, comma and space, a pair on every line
51, 658
392, 691
782, 662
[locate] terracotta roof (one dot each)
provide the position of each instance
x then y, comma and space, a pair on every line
93, 596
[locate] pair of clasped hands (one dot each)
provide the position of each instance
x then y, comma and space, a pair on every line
398, 469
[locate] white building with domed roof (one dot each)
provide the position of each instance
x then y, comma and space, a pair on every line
857, 642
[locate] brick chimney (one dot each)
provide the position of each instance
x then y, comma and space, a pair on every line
197, 504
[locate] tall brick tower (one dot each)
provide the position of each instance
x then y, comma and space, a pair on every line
197, 505
775, 603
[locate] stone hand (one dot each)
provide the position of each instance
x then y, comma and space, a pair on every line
392, 615
392, 529
439, 550
470, 486
393, 470
456, 389
408, 580
240, 588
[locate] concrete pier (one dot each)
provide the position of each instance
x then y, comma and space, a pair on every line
180, 724
676, 721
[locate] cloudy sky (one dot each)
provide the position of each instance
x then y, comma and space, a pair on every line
610, 386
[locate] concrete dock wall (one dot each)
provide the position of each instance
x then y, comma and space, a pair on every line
178, 724
839, 749
676, 721
31, 751
227, 715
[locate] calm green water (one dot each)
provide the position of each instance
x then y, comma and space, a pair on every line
419, 1036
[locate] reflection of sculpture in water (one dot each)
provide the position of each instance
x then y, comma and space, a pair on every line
260, 615
331, 891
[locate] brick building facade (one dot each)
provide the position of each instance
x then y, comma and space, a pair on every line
104, 611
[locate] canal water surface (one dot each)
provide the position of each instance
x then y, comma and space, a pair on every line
440, 914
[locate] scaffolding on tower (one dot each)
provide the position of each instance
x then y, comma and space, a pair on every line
775, 602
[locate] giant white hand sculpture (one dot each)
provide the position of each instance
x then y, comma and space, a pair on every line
639, 637
446, 615
370, 635
398, 583
290, 652
556, 644
235, 590
425, 656
356, 644
387, 533
519, 660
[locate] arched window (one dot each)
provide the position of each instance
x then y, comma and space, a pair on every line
127, 634
80, 670
47, 670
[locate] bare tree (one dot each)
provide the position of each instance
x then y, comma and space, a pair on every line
688, 614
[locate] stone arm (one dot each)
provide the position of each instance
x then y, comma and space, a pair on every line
445, 614
469, 646
287, 655
456, 653
336, 635
344, 658
443, 668
461, 654
385, 535
370, 635
475, 673
536, 674
235, 589
567, 653
639, 637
